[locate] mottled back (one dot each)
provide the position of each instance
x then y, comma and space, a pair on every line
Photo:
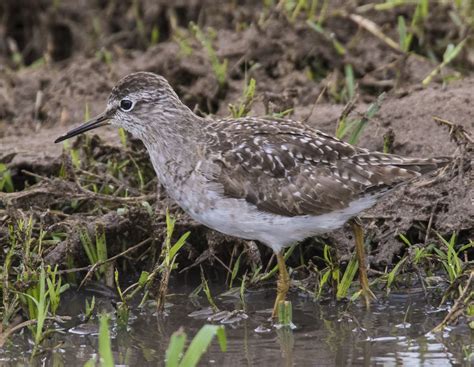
286, 168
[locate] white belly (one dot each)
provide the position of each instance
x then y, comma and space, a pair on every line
237, 218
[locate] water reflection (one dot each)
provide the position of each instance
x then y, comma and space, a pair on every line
394, 332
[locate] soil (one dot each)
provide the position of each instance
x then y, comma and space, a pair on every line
56, 61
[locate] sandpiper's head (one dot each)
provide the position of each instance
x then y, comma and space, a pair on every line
138, 101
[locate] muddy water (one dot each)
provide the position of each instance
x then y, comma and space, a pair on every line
395, 331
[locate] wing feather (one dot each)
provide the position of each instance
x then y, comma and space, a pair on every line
286, 168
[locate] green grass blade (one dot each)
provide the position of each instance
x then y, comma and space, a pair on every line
371, 111
105, 348
6, 182
170, 222
177, 246
453, 51
101, 245
175, 348
402, 32
222, 339
405, 239
450, 54
88, 247
285, 313
199, 345
350, 81
123, 136
466, 247
347, 278
393, 273
235, 270
323, 281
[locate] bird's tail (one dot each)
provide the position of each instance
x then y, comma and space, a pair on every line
424, 165
379, 172
415, 165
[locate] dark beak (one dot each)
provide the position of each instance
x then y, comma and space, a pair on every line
93, 123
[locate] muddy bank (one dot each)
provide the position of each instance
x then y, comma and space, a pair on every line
52, 83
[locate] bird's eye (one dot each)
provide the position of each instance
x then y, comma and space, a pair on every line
126, 105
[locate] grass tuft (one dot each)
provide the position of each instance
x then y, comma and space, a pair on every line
205, 38
245, 103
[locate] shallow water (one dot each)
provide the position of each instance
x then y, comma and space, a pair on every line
394, 332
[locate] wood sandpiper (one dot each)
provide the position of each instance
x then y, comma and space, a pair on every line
269, 179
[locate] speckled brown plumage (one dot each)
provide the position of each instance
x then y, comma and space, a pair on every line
283, 167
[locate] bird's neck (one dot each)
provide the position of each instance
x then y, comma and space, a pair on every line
175, 147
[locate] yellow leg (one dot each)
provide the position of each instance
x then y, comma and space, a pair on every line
283, 283
360, 252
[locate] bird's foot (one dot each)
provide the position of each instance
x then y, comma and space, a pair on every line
368, 295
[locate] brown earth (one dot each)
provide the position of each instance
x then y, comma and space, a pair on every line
85, 49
